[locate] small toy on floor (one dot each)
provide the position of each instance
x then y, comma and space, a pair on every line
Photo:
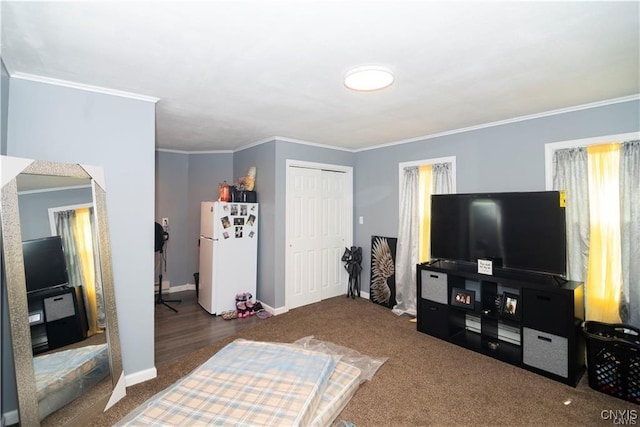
244, 305
228, 315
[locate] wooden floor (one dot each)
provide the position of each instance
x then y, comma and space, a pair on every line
191, 328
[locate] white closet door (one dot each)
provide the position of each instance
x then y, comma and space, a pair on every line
333, 231
304, 239
319, 212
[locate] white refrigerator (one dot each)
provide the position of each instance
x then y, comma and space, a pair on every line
228, 253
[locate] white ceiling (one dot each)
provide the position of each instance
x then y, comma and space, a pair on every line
228, 74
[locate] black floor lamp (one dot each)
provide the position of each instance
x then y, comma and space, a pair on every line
160, 242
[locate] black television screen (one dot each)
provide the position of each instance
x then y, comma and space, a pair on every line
44, 263
523, 231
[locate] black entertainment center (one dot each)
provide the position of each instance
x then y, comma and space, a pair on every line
496, 282
57, 316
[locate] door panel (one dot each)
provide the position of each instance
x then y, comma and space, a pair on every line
333, 225
317, 232
303, 237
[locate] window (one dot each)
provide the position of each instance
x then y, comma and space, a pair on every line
601, 177
418, 180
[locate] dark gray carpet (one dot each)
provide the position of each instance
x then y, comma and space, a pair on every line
425, 381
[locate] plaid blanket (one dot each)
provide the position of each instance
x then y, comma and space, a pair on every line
247, 383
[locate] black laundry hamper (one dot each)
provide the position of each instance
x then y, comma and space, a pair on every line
613, 359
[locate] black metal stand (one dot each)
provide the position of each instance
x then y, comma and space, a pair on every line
160, 299
353, 258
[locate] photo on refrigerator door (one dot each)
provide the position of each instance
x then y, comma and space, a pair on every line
243, 210
238, 221
251, 220
238, 232
225, 222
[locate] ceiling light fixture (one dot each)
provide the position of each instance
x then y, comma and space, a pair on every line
368, 78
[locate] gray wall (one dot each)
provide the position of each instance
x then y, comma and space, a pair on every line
263, 158
48, 122
184, 180
206, 172
172, 198
508, 157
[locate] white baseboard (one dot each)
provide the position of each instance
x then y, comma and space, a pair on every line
10, 418
180, 288
274, 311
141, 376
284, 309
167, 288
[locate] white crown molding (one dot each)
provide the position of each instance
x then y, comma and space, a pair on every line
211, 152
293, 141
508, 121
81, 86
167, 150
314, 144
255, 144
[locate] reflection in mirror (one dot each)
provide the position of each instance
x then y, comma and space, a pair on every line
65, 274
66, 310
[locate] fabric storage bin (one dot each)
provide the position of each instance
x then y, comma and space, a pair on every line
434, 287
613, 359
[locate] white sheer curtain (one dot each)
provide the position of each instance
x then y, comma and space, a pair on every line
64, 227
570, 175
442, 178
65, 222
630, 231
407, 249
407, 245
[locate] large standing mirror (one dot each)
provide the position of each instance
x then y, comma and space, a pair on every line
57, 262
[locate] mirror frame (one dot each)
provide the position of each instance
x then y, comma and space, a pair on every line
16, 283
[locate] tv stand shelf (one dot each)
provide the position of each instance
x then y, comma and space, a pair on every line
57, 318
542, 335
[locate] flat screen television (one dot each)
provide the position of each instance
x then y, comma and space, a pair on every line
520, 230
44, 263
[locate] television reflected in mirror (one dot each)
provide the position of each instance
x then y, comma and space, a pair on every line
44, 263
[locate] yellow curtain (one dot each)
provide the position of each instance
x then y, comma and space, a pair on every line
604, 270
84, 243
425, 179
